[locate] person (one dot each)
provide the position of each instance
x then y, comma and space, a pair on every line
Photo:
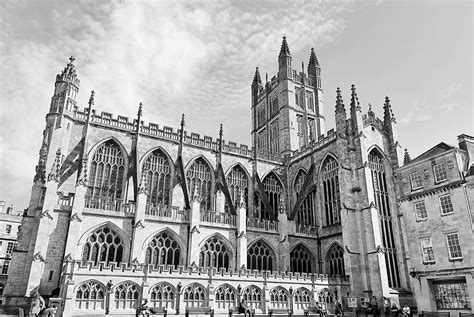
142, 310
394, 310
49, 312
374, 305
406, 311
37, 304
386, 306
338, 309
243, 308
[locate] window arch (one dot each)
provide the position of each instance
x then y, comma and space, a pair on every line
260, 257
215, 253
330, 180
335, 260
163, 249
382, 203
103, 245
252, 296
279, 297
302, 297
158, 177
225, 297
325, 296
301, 259
273, 189
90, 295
200, 174
163, 295
237, 182
106, 175
305, 215
126, 296
195, 295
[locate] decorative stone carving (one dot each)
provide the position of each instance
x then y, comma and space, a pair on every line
196, 194
39, 257
82, 179
46, 214
40, 175
54, 175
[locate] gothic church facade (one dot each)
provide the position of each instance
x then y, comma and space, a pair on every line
122, 211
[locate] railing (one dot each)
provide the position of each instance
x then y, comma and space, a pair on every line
111, 205
306, 230
164, 212
218, 217
262, 224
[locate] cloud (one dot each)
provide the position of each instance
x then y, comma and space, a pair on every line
450, 91
419, 112
449, 98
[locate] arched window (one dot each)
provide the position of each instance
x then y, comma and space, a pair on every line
90, 295
199, 174
163, 249
335, 260
382, 203
332, 203
225, 297
302, 297
301, 259
273, 190
260, 257
253, 297
106, 176
325, 296
195, 296
158, 177
237, 183
305, 215
215, 253
103, 245
163, 295
126, 296
279, 297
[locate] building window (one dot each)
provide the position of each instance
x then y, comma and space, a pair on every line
253, 297
51, 274
126, 296
302, 298
237, 182
104, 245
158, 177
301, 259
311, 130
278, 297
5, 266
301, 130
310, 101
297, 96
454, 247
163, 250
451, 295
90, 295
225, 297
8, 229
194, 296
9, 250
439, 171
416, 181
162, 295
446, 204
335, 261
260, 257
427, 250
273, 190
420, 210
305, 215
332, 203
199, 175
215, 253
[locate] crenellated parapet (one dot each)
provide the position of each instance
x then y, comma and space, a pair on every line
315, 145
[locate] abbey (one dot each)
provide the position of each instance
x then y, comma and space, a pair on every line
122, 211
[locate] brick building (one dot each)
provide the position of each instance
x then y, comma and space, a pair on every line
123, 211
436, 199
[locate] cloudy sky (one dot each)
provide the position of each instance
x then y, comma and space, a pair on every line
198, 57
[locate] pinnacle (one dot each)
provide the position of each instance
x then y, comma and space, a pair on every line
339, 101
406, 157
221, 131
387, 111
91, 98
313, 60
284, 50
355, 105
140, 112
256, 77
182, 121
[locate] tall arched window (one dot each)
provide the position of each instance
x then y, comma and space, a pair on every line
279, 297
252, 296
382, 203
195, 295
126, 296
237, 183
106, 175
305, 215
301, 259
103, 245
302, 298
225, 297
335, 260
90, 295
332, 203
163, 295
260, 257
199, 174
274, 190
158, 177
215, 253
163, 249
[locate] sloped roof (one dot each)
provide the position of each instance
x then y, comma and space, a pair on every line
435, 150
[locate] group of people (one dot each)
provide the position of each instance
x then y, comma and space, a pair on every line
38, 307
389, 310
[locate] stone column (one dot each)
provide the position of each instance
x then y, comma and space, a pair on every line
194, 234
139, 234
284, 245
241, 235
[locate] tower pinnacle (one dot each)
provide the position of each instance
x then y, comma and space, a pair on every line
406, 157
284, 50
256, 78
313, 60
388, 116
340, 108
355, 105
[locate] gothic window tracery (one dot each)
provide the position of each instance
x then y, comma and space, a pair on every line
260, 257
302, 298
163, 295
158, 177
305, 215
126, 296
103, 245
252, 296
225, 297
330, 180
199, 174
335, 260
90, 295
279, 297
273, 190
215, 253
195, 295
237, 182
163, 249
301, 259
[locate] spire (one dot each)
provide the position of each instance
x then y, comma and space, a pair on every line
355, 105
387, 112
256, 78
91, 99
221, 134
284, 50
406, 157
181, 136
313, 60
370, 112
339, 102
69, 70
139, 115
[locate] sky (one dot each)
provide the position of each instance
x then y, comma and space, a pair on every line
199, 58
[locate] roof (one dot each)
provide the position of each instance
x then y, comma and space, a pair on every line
435, 150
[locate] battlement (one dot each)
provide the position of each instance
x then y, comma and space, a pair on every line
314, 145
371, 119
297, 78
